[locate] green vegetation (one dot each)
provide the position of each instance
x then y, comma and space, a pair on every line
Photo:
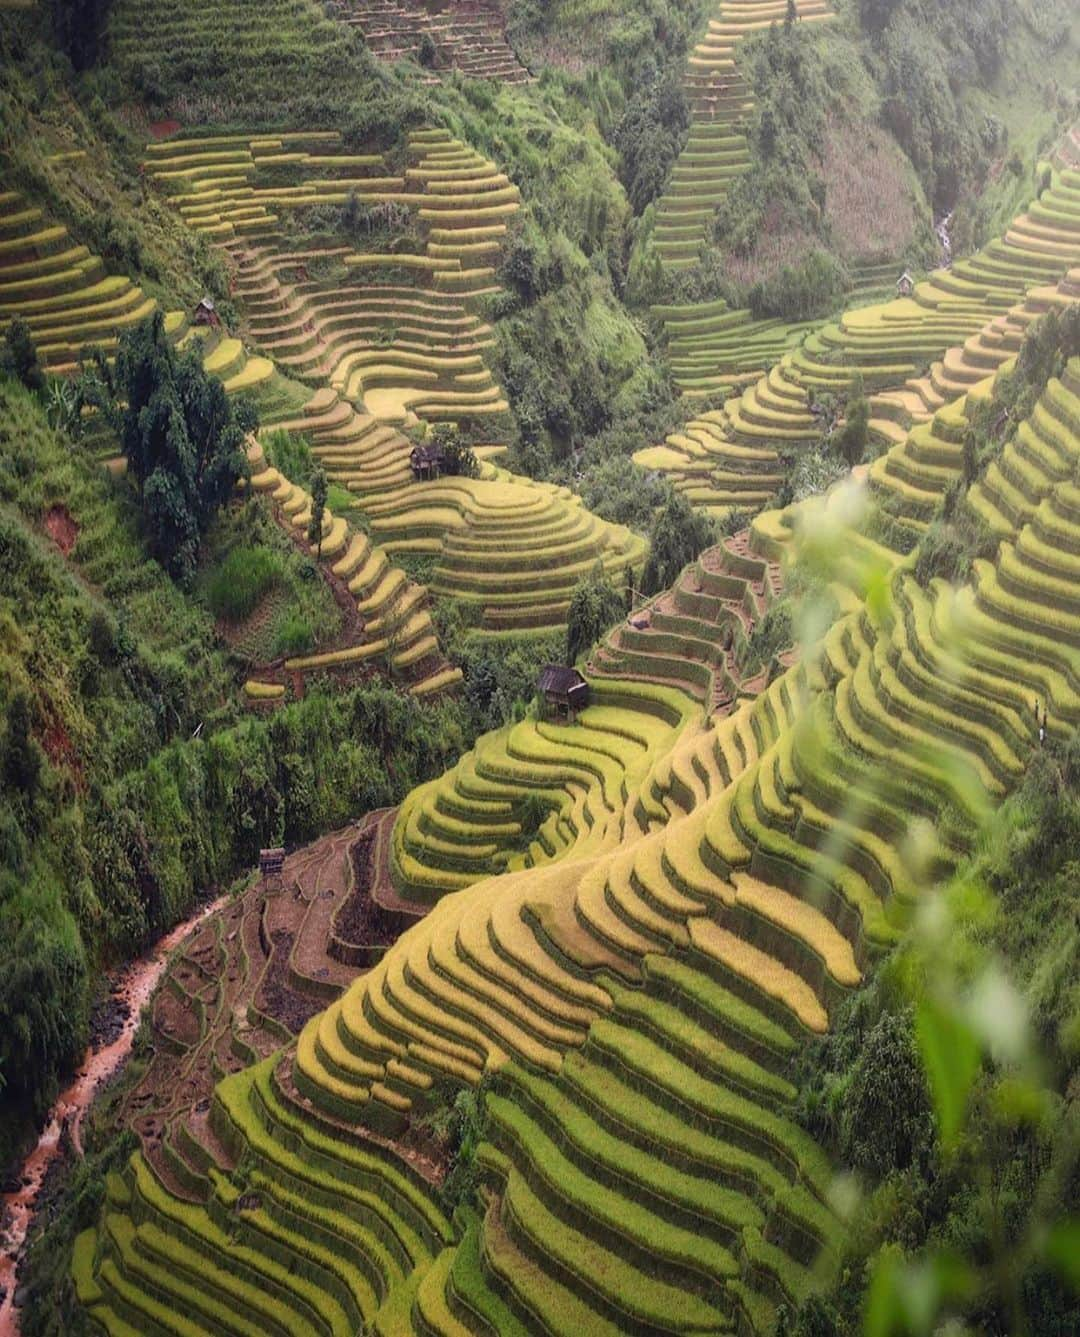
741, 996
182, 436
595, 606
241, 581
677, 536
108, 672
20, 357
985, 1207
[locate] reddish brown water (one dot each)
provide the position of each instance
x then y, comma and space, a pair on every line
134, 987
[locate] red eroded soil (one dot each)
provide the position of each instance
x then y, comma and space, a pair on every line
162, 129
61, 528
61, 751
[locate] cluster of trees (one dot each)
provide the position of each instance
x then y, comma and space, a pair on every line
651, 135
925, 54
183, 436
677, 536
595, 607
130, 780
78, 29
793, 94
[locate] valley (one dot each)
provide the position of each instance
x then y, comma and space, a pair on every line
540, 646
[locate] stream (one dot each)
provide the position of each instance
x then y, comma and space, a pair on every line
131, 989
943, 232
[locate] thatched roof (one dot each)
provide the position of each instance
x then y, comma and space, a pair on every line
560, 680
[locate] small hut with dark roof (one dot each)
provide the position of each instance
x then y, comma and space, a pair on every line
563, 692
206, 313
426, 461
905, 284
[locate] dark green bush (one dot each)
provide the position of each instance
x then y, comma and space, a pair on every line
595, 606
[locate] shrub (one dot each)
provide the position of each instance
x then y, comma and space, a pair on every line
771, 634
804, 291
290, 454
678, 535
949, 547
293, 635
20, 357
241, 582
426, 52
595, 605
851, 440
20, 755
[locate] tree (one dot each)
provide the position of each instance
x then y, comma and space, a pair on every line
792, 14
318, 509
182, 435
427, 53
77, 27
595, 605
20, 356
21, 756
677, 536
886, 1122
852, 438
458, 459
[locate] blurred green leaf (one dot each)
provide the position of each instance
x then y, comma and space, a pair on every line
883, 1311
951, 1056
907, 1298
1063, 1251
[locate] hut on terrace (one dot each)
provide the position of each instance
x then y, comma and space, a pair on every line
206, 313
426, 461
905, 285
563, 692
271, 863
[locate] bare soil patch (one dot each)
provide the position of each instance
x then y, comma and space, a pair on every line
61, 527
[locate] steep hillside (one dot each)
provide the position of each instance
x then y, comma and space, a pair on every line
626, 1010
736, 457
740, 994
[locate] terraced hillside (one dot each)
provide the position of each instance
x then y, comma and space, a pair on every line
70, 303
720, 100
927, 460
391, 328
656, 683
632, 1007
731, 458
247, 982
392, 622
714, 350
465, 35
177, 49
392, 339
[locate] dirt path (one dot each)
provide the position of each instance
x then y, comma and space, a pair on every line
132, 989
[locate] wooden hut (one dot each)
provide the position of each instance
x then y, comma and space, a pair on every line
206, 313
271, 862
426, 462
563, 692
905, 285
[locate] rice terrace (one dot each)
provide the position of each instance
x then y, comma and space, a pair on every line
540, 645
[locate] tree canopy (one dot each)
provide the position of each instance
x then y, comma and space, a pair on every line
19, 356
677, 536
182, 435
595, 605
